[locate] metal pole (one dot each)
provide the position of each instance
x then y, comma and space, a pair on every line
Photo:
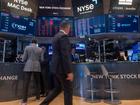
111, 90
4, 50
18, 46
104, 51
99, 52
92, 94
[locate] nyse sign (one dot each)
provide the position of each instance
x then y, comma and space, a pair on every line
20, 5
19, 27
87, 8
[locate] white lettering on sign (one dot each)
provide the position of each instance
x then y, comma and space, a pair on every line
128, 76
118, 8
6, 78
124, 8
98, 76
19, 27
26, 9
16, 6
22, 2
85, 8
20, 5
119, 76
130, 8
125, 2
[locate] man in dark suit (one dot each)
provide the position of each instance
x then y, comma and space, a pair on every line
61, 66
44, 79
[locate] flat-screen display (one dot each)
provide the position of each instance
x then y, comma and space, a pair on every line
89, 26
80, 46
87, 8
123, 23
130, 53
17, 24
50, 50
55, 8
49, 26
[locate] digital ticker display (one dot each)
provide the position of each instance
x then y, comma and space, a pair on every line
90, 26
49, 26
17, 24
123, 23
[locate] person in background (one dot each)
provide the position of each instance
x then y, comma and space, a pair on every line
32, 56
19, 57
122, 56
74, 56
44, 73
61, 66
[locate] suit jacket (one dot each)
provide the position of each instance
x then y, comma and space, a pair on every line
32, 55
61, 62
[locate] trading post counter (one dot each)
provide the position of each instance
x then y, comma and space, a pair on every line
124, 77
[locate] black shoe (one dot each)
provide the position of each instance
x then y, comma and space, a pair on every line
38, 98
43, 95
43, 104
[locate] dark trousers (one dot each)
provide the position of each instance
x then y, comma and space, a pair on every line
44, 80
26, 82
59, 83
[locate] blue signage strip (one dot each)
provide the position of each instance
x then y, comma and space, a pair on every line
123, 23
17, 24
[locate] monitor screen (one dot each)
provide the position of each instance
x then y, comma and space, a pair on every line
123, 23
50, 50
129, 52
136, 47
17, 24
89, 26
49, 26
80, 46
135, 57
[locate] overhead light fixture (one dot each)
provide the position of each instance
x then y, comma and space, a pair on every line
125, 2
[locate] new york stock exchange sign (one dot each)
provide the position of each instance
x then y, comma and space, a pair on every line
22, 5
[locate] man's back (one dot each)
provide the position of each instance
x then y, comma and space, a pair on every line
32, 56
34, 53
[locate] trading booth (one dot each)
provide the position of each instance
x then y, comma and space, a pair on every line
105, 35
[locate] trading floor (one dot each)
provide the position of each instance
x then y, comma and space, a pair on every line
77, 101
